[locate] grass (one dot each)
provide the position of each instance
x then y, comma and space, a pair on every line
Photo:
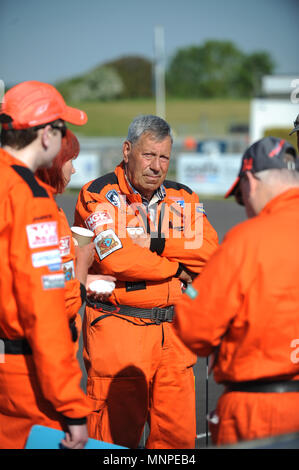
186, 117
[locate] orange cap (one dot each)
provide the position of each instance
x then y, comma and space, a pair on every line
33, 103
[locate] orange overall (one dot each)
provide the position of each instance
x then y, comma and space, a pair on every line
244, 309
138, 370
39, 375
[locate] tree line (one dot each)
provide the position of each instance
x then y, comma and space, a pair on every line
215, 69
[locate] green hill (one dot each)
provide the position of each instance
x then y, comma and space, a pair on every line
186, 117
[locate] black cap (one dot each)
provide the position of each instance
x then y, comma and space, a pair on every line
266, 154
296, 126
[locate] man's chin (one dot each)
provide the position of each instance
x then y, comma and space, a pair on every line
153, 183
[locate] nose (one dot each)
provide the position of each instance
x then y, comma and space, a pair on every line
155, 164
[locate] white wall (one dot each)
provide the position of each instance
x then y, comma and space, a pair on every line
87, 166
208, 174
266, 113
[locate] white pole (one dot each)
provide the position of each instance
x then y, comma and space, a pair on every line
160, 72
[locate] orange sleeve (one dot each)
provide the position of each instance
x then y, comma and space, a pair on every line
116, 253
197, 240
38, 285
205, 310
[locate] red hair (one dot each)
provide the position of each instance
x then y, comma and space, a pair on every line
53, 176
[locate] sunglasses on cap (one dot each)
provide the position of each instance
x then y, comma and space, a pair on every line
59, 126
62, 128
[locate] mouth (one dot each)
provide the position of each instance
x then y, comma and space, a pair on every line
152, 178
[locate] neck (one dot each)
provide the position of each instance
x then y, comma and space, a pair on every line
147, 195
25, 156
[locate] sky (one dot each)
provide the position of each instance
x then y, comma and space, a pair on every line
50, 40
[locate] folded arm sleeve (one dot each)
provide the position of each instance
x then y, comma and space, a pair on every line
116, 253
196, 240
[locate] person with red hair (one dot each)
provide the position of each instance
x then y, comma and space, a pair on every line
75, 260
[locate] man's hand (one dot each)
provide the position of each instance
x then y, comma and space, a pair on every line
85, 254
76, 437
186, 277
102, 296
143, 240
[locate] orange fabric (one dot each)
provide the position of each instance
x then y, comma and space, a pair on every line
245, 310
135, 373
132, 262
73, 300
137, 370
247, 416
46, 385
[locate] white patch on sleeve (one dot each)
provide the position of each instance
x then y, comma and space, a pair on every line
46, 258
53, 281
42, 234
65, 245
98, 218
69, 270
106, 243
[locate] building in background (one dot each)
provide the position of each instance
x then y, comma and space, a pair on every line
275, 111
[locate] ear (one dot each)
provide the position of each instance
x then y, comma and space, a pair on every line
127, 146
251, 181
247, 186
45, 139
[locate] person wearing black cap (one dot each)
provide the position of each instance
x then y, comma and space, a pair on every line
296, 129
266, 154
244, 306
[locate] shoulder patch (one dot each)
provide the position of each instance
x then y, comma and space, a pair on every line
174, 185
106, 243
97, 185
27, 175
98, 218
200, 209
68, 270
113, 197
42, 234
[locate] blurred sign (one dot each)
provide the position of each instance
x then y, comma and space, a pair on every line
211, 147
207, 174
87, 166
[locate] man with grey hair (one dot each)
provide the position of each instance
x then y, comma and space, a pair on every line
154, 237
244, 307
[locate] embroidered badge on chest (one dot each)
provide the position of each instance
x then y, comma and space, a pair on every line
106, 243
113, 197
